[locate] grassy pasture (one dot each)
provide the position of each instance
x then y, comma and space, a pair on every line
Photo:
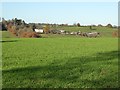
104, 31
60, 61
6, 34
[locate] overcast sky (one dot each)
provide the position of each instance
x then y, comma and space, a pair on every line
63, 12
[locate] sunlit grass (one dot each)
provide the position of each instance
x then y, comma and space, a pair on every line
60, 62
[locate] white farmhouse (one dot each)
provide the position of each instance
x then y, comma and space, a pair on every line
39, 31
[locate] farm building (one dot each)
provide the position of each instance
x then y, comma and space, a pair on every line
39, 31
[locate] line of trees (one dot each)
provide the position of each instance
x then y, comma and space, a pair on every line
40, 25
21, 23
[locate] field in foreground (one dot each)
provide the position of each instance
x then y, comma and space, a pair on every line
60, 62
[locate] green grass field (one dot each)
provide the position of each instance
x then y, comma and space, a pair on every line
104, 31
60, 62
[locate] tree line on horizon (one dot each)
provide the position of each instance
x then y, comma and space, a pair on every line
20, 28
16, 21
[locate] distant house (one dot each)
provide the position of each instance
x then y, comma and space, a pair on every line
39, 31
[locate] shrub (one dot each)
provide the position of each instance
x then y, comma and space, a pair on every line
29, 35
46, 29
116, 33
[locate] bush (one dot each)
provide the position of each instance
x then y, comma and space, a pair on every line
29, 35
20, 31
46, 29
116, 33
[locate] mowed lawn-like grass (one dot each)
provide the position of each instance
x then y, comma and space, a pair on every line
60, 62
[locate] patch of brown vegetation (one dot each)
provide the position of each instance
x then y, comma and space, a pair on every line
29, 35
25, 32
115, 34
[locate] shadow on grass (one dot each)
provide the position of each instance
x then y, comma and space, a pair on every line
5, 41
86, 71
